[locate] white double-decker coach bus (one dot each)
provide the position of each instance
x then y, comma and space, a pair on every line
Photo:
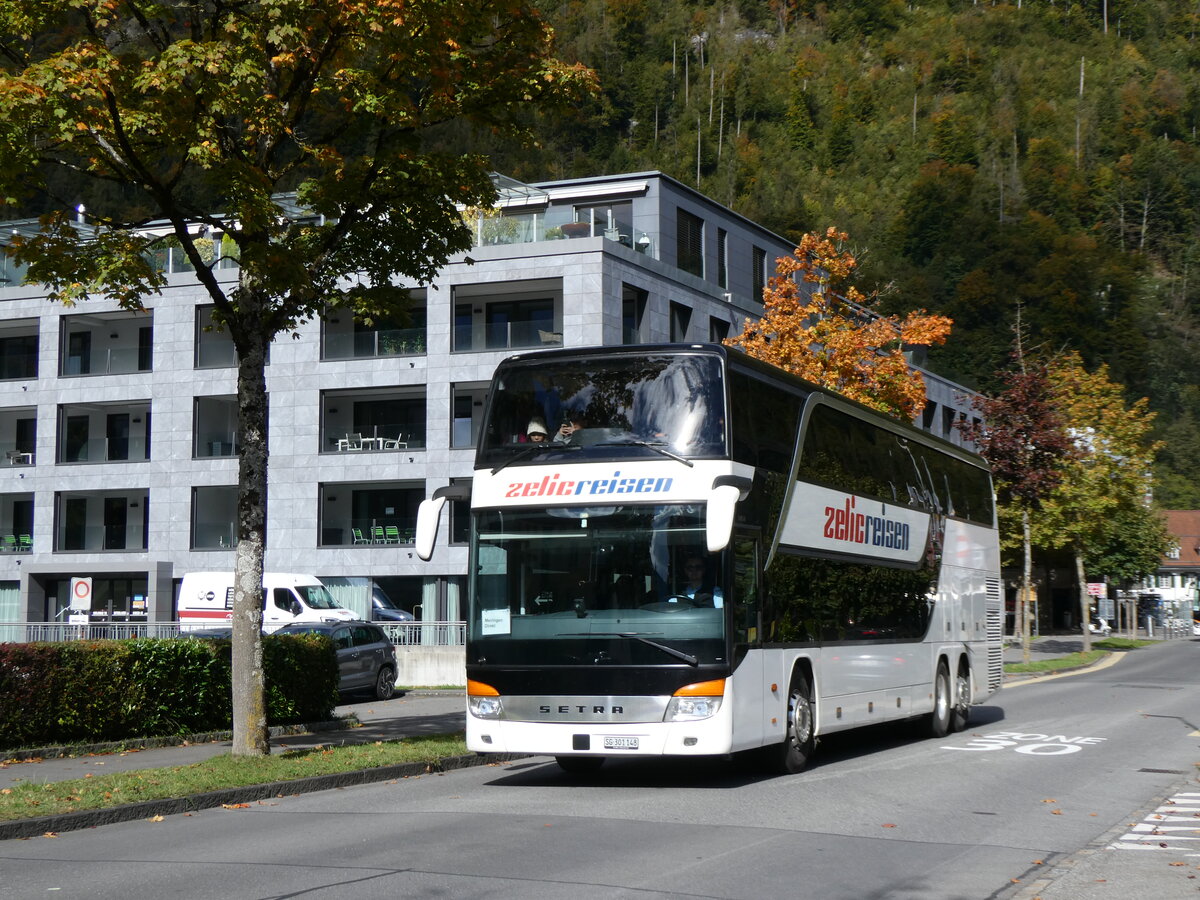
704, 555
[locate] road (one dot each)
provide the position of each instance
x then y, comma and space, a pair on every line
1042, 771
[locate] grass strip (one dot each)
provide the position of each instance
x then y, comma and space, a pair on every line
26, 800
1069, 661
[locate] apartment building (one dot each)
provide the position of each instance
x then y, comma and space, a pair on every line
118, 430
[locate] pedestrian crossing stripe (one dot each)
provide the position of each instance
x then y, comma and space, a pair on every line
1155, 832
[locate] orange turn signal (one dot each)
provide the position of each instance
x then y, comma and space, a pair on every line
714, 688
479, 689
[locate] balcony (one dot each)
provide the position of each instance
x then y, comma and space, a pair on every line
381, 419
101, 521
16, 523
104, 432
506, 322
112, 344
342, 337
18, 435
369, 514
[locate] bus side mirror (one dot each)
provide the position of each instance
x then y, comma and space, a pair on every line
429, 513
727, 490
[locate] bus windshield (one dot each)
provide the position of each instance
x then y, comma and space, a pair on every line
629, 583
618, 404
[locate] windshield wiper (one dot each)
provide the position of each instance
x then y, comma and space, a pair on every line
656, 446
530, 451
634, 636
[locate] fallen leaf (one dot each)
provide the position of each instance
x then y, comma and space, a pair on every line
88, 775
155, 819
1177, 864
1056, 812
888, 825
235, 806
50, 834
6, 791
1039, 862
1050, 800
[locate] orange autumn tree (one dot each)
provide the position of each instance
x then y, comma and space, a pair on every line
819, 326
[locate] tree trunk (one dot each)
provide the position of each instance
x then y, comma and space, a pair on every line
250, 736
1085, 601
1026, 583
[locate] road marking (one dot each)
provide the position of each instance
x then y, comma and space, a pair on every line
1153, 832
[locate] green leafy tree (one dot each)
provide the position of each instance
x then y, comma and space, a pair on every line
1098, 510
166, 110
1023, 437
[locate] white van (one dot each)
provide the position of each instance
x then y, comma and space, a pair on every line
206, 601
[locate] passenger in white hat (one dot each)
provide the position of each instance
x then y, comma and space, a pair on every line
536, 432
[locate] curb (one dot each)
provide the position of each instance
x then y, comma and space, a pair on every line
27, 828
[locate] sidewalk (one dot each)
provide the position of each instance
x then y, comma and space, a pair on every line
408, 715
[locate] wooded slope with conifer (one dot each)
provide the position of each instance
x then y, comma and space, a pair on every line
982, 155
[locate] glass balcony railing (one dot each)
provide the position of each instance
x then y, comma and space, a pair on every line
368, 344
104, 450
555, 225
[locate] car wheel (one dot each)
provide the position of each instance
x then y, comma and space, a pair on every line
385, 683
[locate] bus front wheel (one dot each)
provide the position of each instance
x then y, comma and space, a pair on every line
800, 738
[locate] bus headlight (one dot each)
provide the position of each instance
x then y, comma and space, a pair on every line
696, 701
483, 700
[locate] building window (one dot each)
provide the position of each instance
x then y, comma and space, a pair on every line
214, 426
214, 517
689, 248
722, 258
104, 432
214, 349
759, 266
19, 355
460, 518
718, 330
467, 414
681, 317
633, 312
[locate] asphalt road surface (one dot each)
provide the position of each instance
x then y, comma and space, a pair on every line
1042, 771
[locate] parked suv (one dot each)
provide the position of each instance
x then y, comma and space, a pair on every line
366, 658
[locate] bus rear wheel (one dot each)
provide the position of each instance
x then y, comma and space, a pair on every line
961, 710
937, 723
800, 738
579, 765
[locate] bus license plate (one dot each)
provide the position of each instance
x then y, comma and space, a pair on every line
620, 743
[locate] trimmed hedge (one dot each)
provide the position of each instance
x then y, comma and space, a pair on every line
90, 691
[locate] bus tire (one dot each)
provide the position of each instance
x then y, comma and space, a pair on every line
800, 739
937, 723
961, 711
579, 765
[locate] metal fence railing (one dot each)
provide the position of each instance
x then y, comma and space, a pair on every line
425, 634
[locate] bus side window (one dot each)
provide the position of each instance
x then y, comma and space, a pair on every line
746, 607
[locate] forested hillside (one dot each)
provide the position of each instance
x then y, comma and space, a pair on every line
984, 157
